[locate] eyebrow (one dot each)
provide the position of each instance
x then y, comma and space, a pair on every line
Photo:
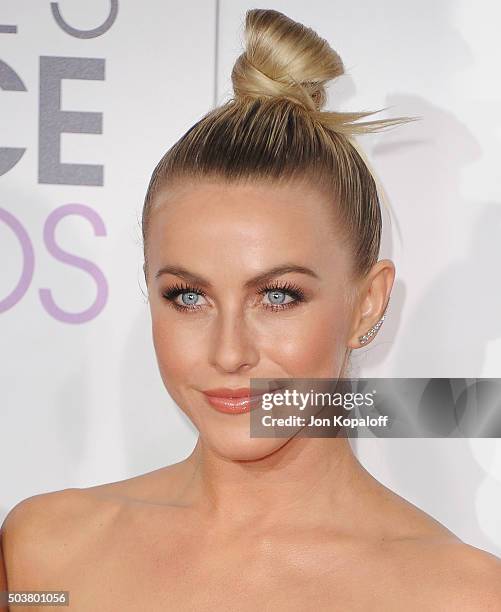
252, 282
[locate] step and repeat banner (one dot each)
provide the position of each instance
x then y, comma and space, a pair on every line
91, 96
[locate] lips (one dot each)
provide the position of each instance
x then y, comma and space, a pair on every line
235, 401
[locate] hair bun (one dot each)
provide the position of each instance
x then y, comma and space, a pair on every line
284, 58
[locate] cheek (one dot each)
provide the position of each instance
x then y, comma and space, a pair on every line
177, 349
314, 345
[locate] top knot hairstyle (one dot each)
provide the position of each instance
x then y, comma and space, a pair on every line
274, 130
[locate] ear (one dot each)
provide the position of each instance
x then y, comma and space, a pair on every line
372, 301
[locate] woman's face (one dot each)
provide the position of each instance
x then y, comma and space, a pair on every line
226, 327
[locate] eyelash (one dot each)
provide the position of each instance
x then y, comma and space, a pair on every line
293, 290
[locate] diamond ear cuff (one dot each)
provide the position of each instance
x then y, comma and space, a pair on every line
373, 330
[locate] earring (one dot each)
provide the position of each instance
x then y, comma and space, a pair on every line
373, 330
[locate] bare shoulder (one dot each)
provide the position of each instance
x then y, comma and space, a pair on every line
468, 578
435, 567
437, 571
46, 533
42, 532
156, 487
447, 573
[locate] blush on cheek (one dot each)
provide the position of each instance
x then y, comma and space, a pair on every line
314, 351
169, 356
178, 353
327, 340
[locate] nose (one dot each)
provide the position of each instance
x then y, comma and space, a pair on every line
233, 345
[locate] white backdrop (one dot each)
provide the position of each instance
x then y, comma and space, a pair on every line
82, 402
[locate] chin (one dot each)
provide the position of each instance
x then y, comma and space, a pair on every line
226, 435
235, 444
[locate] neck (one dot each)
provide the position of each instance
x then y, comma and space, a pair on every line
307, 480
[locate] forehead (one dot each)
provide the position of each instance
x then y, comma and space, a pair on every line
245, 225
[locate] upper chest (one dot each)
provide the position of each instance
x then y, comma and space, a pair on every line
188, 569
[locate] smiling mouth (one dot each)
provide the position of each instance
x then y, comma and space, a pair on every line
234, 405
240, 402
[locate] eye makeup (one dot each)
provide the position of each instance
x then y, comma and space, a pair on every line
287, 288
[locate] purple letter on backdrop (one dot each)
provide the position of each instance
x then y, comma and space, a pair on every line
28, 261
102, 286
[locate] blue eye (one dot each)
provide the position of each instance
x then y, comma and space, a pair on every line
189, 297
279, 293
277, 297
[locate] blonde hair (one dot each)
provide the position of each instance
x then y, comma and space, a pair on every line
274, 129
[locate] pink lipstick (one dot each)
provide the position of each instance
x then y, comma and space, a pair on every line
233, 401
